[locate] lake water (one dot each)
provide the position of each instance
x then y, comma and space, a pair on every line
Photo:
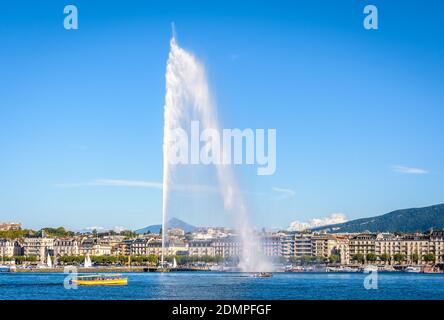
213, 285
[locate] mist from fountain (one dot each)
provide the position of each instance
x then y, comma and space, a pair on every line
187, 92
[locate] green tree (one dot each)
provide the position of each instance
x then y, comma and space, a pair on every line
128, 234
430, 257
22, 259
371, 257
399, 257
334, 258
321, 259
415, 257
358, 257
14, 234
57, 232
385, 257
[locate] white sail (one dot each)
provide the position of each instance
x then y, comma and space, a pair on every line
174, 263
48, 261
87, 263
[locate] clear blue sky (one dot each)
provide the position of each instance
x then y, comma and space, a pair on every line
348, 104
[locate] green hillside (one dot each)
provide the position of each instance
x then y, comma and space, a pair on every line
406, 220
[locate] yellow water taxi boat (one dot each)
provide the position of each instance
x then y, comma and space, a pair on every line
101, 280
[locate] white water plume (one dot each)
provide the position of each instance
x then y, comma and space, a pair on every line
187, 93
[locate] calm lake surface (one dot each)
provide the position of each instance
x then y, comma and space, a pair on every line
213, 285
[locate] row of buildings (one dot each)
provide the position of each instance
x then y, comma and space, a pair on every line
379, 247
40, 247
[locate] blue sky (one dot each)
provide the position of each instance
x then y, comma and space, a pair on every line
356, 111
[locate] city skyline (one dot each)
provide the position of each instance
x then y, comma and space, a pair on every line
81, 111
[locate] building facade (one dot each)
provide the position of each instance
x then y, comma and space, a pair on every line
94, 247
227, 247
302, 245
66, 247
271, 246
323, 245
10, 248
13, 226
201, 248
39, 247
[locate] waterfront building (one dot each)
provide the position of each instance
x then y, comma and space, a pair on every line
9, 248
94, 247
176, 247
362, 244
147, 246
123, 248
343, 248
417, 245
385, 248
66, 247
176, 232
271, 245
139, 246
286, 246
154, 246
114, 242
227, 247
302, 245
437, 240
13, 226
389, 245
201, 248
39, 247
323, 245
407, 249
210, 233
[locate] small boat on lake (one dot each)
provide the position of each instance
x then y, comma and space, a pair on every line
413, 269
386, 268
101, 280
4, 268
263, 275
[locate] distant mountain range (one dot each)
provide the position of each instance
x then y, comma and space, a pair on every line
172, 223
406, 220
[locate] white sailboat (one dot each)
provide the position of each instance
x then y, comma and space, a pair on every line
413, 269
49, 261
87, 263
174, 263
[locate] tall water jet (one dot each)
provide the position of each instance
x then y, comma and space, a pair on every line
187, 92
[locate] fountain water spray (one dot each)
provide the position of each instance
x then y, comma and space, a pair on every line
187, 92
